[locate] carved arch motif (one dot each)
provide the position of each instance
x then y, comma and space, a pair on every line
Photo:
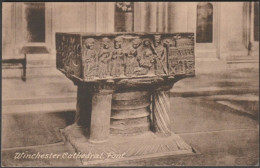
204, 28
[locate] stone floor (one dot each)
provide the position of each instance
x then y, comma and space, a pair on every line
220, 135
217, 114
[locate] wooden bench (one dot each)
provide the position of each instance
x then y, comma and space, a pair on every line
17, 63
12, 64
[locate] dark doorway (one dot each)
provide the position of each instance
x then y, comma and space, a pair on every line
204, 23
35, 18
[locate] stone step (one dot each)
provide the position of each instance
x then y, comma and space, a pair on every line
39, 108
243, 107
43, 87
210, 91
242, 103
38, 65
38, 100
239, 98
240, 58
242, 64
32, 71
239, 62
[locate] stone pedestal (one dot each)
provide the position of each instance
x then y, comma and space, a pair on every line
123, 100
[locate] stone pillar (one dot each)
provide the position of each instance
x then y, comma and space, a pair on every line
90, 17
162, 10
20, 29
93, 110
192, 16
8, 28
177, 17
142, 16
100, 116
104, 16
251, 29
124, 17
83, 107
161, 109
150, 16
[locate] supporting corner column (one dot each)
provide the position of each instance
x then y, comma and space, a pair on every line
161, 109
101, 102
93, 110
83, 107
100, 117
251, 29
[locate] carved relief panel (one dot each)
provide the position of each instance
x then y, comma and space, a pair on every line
125, 55
68, 57
181, 55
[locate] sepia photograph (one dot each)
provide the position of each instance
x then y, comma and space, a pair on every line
130, 84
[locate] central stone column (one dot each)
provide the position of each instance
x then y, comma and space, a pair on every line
130, 113
123, 97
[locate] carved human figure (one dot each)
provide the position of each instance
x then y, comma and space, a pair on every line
189, 66
117, 58
76, 52
71, 47
160, 63
74, 56
130, 59
69, 56
104, 58
181, 67
65, 53
60, 51
89, 59
146, 60
61, 47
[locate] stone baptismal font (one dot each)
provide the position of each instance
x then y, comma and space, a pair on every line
123, 97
